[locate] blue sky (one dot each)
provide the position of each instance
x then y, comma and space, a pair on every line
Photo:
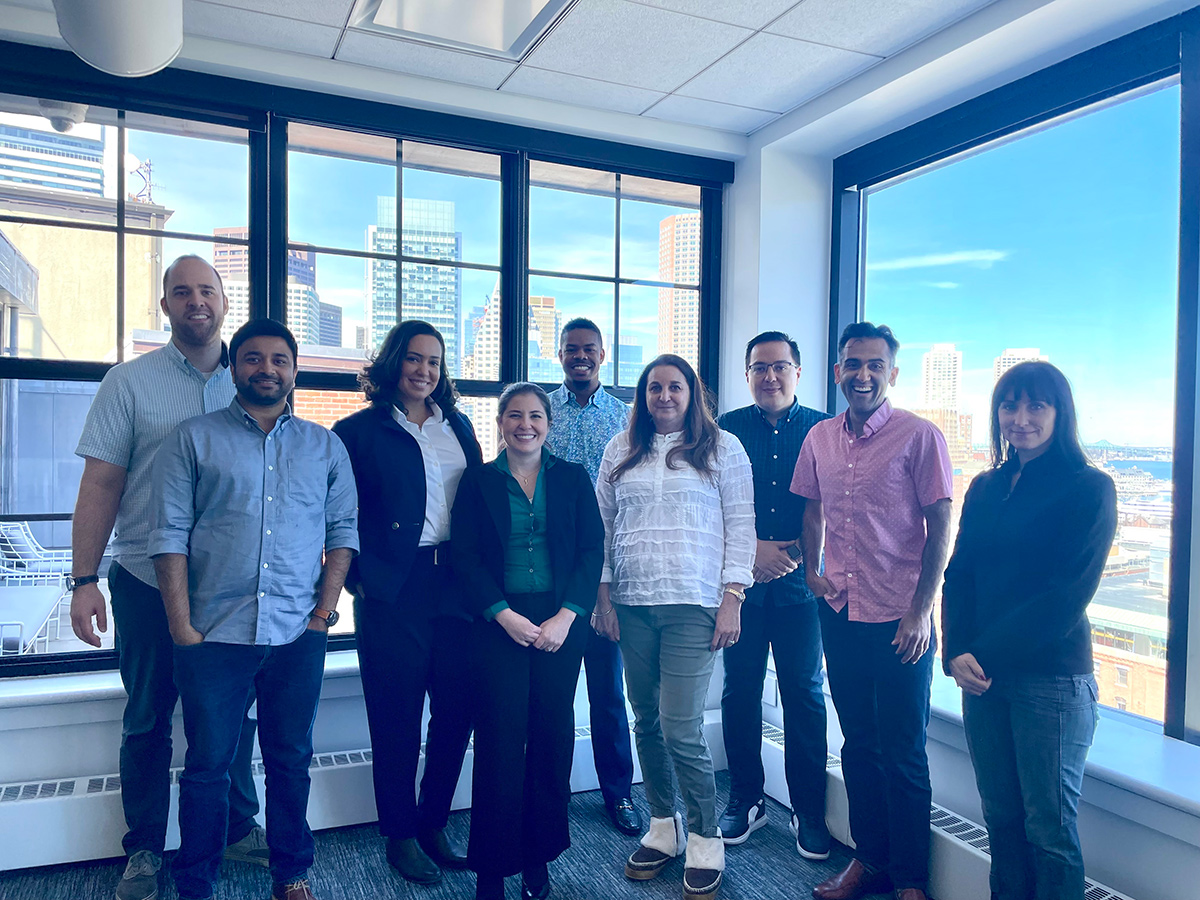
1065, 239
333, 201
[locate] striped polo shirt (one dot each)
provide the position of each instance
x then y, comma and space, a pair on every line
139, 403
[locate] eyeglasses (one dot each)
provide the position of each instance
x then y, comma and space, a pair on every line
758, 370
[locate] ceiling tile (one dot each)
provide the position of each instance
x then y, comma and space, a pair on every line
880, 27
419, 59
32, 4
628, 43
748, 13
245, 27
580, 91
775, 73
739, 119
318, 12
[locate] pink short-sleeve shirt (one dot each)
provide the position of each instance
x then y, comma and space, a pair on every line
873, 490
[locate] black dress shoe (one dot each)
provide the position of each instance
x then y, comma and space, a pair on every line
442, 850
535, 883
625, 817
407, 858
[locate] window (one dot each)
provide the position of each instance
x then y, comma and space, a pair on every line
1061, 244
342, 196
620, 250
369, 225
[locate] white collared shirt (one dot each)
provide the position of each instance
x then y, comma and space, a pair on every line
444, 462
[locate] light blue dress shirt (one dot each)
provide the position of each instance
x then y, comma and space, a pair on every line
252, 512
578, 433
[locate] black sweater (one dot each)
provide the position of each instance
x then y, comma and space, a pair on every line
1025, 566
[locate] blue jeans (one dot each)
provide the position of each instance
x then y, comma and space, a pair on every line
611, 747
883, 708
794, 631
214, 681
146, 658
1029, 737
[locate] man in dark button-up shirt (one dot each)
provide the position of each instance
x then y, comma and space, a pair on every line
780, 612
246, 501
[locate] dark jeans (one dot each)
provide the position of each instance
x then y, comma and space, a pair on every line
524, 742
794, 631
611, 747
405, 651
146, 658
214, 681
883, 708
1029, 737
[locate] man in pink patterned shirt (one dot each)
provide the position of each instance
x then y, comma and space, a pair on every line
878, 482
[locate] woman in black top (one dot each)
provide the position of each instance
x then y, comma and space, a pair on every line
528, 546
1035, 533
409, 449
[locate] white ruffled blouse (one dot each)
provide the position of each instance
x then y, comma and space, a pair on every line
676, 535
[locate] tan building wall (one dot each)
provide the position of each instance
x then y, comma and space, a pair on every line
1139, 683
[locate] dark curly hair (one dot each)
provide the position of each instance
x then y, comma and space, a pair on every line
381, 376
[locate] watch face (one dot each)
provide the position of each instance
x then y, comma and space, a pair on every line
333, 618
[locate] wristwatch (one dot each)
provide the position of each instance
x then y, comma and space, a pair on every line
73, 582
740, 595
329, 615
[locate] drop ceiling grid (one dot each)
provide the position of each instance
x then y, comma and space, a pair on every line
733, 65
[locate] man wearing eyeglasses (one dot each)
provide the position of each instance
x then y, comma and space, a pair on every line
780, 612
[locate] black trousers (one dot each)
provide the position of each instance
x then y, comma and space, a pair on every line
524, 743
405, 650
794, 631
883, 708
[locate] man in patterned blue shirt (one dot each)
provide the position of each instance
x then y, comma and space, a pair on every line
585, 417
780, 612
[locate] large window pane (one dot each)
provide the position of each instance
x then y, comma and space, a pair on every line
470, 183
40, 424
336, 182
197, 175
1061, 245
572, 220
58, 292
60, 169
660, 238
552, 303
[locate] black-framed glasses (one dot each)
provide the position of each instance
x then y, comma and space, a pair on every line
758, 370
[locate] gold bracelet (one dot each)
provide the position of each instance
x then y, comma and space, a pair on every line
741, 595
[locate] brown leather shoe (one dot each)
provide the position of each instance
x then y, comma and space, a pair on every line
911, 894
293, 890
854, 881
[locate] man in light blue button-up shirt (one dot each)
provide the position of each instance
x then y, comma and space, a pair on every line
247, 501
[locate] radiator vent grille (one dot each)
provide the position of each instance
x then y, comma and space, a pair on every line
775, 735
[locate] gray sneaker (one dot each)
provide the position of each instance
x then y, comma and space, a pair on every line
140, 881
251, 849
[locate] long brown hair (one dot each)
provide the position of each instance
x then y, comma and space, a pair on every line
700, 431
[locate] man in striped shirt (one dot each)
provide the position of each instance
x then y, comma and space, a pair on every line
139, 403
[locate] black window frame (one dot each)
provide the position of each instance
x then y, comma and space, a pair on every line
1168, 49
265, 110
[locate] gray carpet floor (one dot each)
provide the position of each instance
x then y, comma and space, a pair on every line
351, 866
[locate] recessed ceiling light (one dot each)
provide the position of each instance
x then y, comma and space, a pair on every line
504, 29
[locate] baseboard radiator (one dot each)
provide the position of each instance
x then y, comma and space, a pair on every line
960, 856
75, 819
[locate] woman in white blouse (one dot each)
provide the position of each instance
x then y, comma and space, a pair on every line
677, 499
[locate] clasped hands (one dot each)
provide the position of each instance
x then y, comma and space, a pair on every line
548, 636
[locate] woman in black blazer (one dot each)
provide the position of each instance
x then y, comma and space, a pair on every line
409, 450
528, 547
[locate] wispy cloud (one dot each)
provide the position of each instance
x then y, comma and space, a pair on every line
980, 259
941, 285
